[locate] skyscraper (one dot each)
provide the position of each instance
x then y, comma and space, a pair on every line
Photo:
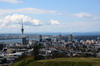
70, 38
40, 38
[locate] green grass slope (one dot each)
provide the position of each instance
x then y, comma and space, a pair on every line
60, 62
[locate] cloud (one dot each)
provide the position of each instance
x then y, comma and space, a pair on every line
54, 22
28, 11
86, 15
81, 15
16, 20
11, 1
75, 27
69, 27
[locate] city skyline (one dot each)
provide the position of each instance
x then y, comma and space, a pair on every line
49, 16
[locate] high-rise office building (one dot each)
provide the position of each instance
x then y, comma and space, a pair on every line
40, 38
98, 39
24, 40
1, 46
59, 38
70, 38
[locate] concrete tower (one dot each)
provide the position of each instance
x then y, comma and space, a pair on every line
22, 29
23, 37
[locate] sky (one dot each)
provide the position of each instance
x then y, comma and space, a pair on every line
49, 16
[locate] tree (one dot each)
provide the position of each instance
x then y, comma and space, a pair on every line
36, 52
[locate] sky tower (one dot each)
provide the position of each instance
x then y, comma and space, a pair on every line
22, 29
23, 37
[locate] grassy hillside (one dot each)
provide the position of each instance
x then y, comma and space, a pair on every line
60, 62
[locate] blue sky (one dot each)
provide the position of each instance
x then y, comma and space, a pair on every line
49, 16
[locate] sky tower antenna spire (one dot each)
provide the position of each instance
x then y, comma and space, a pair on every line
22, 29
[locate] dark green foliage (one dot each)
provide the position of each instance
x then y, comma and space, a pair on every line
4, 60
36, 52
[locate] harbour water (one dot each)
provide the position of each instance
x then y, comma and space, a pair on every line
11, 41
